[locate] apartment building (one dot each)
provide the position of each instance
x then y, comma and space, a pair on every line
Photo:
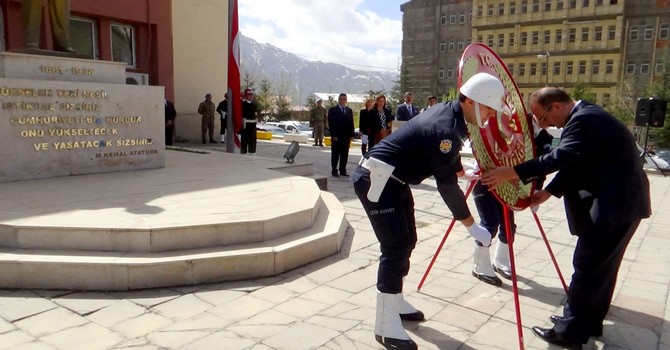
563, 43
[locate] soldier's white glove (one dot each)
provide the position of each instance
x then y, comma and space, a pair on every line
534, 208
479, 233
471, 172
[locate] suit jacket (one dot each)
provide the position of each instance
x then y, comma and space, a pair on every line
404, 114
341, 125
599, 173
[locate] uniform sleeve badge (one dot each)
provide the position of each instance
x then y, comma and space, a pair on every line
445, 146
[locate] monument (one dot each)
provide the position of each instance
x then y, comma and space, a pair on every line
61, 115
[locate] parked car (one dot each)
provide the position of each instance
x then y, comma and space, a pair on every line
296, 127
275, 130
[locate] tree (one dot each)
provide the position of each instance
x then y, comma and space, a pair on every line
583, 92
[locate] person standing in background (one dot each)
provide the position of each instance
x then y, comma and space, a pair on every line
250, 116
170, 116
407, 111
222, 109
341, 124
364, 120
206, 110
317, 120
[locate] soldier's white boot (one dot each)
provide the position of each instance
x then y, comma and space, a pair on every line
388, 328
501, 262
482, 269
407, 311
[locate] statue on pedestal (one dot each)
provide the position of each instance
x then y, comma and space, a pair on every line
59, 15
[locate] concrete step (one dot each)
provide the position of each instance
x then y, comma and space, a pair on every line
123, 270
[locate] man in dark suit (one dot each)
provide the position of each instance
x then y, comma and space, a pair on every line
407, 111
341, 126
606, 194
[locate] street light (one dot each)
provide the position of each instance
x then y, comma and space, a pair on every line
545, 57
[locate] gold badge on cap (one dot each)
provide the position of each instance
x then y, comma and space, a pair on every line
445, 146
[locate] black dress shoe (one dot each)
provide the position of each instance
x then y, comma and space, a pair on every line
504, 273
551, 337
492, 280
396, 344
414, 316
594, 331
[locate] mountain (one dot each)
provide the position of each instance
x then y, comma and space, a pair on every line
299, 77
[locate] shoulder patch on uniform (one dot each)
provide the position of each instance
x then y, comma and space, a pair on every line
445, 146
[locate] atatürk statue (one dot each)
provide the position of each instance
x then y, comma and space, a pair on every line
59, 15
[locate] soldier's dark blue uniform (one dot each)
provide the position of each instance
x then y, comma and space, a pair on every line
428, 145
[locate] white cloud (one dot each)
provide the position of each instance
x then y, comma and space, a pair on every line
341, 31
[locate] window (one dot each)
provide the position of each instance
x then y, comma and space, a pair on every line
443, 20
461, 17
568, 68
450, 73
461, 46
83, 37
533, 69
630, 67
535, 37
501, 40
480, 11
664, 31
598, 34
648, 33
123, 44
595, 67
443, 47
559, 4
510, 68
452, 19
490, 10
536, 5
573, 4
524, 39
440, 74
547, 5
572, 35
644, 67
632, 35
511, 39
660, 66
524, 6
559, 36
522, 69
452, 46
512, 8
501, 9
582, 67
611, 32
557, 68
609, 66
585, 34
585, 3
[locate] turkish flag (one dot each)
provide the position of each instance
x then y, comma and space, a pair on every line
234, 80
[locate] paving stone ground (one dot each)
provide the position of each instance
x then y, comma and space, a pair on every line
330, 304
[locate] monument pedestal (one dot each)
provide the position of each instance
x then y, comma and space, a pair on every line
63, 116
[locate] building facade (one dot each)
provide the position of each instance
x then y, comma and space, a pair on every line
563, 43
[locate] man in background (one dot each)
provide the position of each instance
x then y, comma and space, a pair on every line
206, 110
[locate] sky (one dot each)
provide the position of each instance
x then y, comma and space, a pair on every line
360, 34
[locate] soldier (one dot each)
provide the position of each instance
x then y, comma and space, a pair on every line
317, 120
206, 110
